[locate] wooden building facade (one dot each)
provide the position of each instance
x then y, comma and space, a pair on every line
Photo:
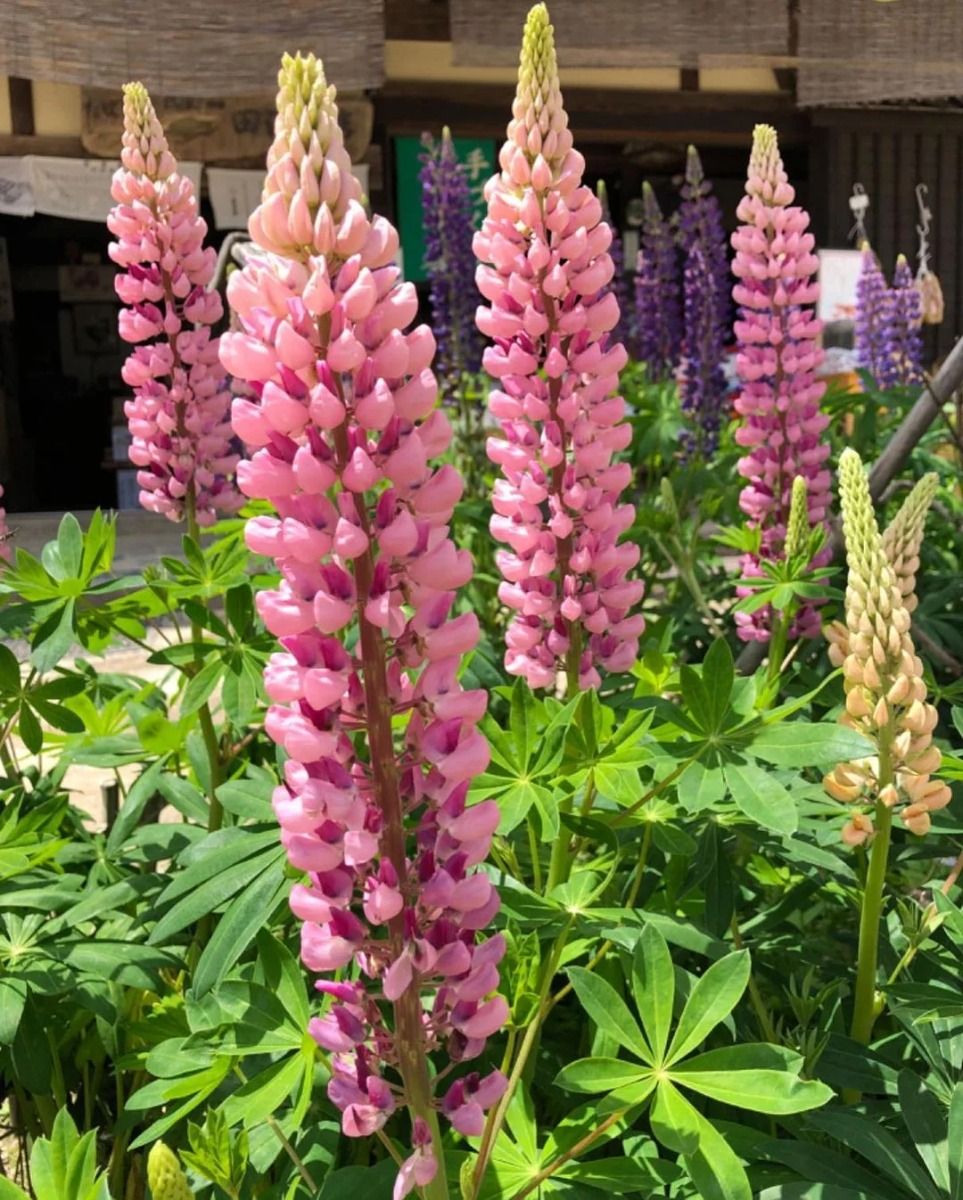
632, 122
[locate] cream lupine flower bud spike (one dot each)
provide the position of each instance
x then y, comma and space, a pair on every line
310, 187
539, 124
797, 527
144, 146
164, 1175
882, 676
901, 545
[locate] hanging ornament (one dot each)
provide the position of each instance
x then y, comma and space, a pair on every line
858, 204
927, 282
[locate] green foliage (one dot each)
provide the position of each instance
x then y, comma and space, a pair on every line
680, 915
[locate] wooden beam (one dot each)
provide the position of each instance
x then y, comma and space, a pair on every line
417, 20
481, 110
689, 79
786, 75
54, 146
21, 105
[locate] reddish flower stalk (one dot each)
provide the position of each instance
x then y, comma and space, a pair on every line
179, 417
546, 267
381, 739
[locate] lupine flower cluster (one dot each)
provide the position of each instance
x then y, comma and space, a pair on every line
782, 427
883, 677
620, 284
448, 226
902, 539
381, 739
5, 554
545, 271
872, 303
179, 416
705, 308
165, 1176
658, 312
702, 382
902, 358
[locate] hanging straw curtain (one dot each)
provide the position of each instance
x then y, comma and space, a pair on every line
856, 52
627, 33
189, 47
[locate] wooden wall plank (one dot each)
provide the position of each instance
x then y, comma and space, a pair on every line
946, 246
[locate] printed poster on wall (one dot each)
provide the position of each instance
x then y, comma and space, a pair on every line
478, 156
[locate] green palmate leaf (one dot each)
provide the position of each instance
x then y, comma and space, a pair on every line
698, 702
727, 1075
242, 919
823, 1165
29, 729
608, 1010
718, 676
13, 997
134, 804
954, 1141
10, 1191
926, 1123
262, 1095
700, 787
805, 744
522, 722
191, 1090
714, 996
9, 672
201, 685
818, 1191
878, 1146
283, 977
714, 1167
598, 1075
53, 638
64, 1167
653, 985
761, 797
674, 1121
622, 1176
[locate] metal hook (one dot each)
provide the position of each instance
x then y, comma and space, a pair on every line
923, 229
858, 204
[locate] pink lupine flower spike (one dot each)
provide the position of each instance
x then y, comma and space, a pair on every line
545, 270
782, 428
179, 416
381, 739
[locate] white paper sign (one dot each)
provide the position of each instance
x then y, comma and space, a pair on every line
79, 188
234, 195
16, 188
838, 273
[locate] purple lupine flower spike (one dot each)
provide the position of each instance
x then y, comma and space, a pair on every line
657, 293
700, 220
702, 384
620, 282
902, 343
872, 302
447, 209
706, 308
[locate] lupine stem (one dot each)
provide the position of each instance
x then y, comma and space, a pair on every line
865, 1009
496, 1115
755, 996
572, 1152
215, 814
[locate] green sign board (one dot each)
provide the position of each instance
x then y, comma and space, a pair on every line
478, 155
